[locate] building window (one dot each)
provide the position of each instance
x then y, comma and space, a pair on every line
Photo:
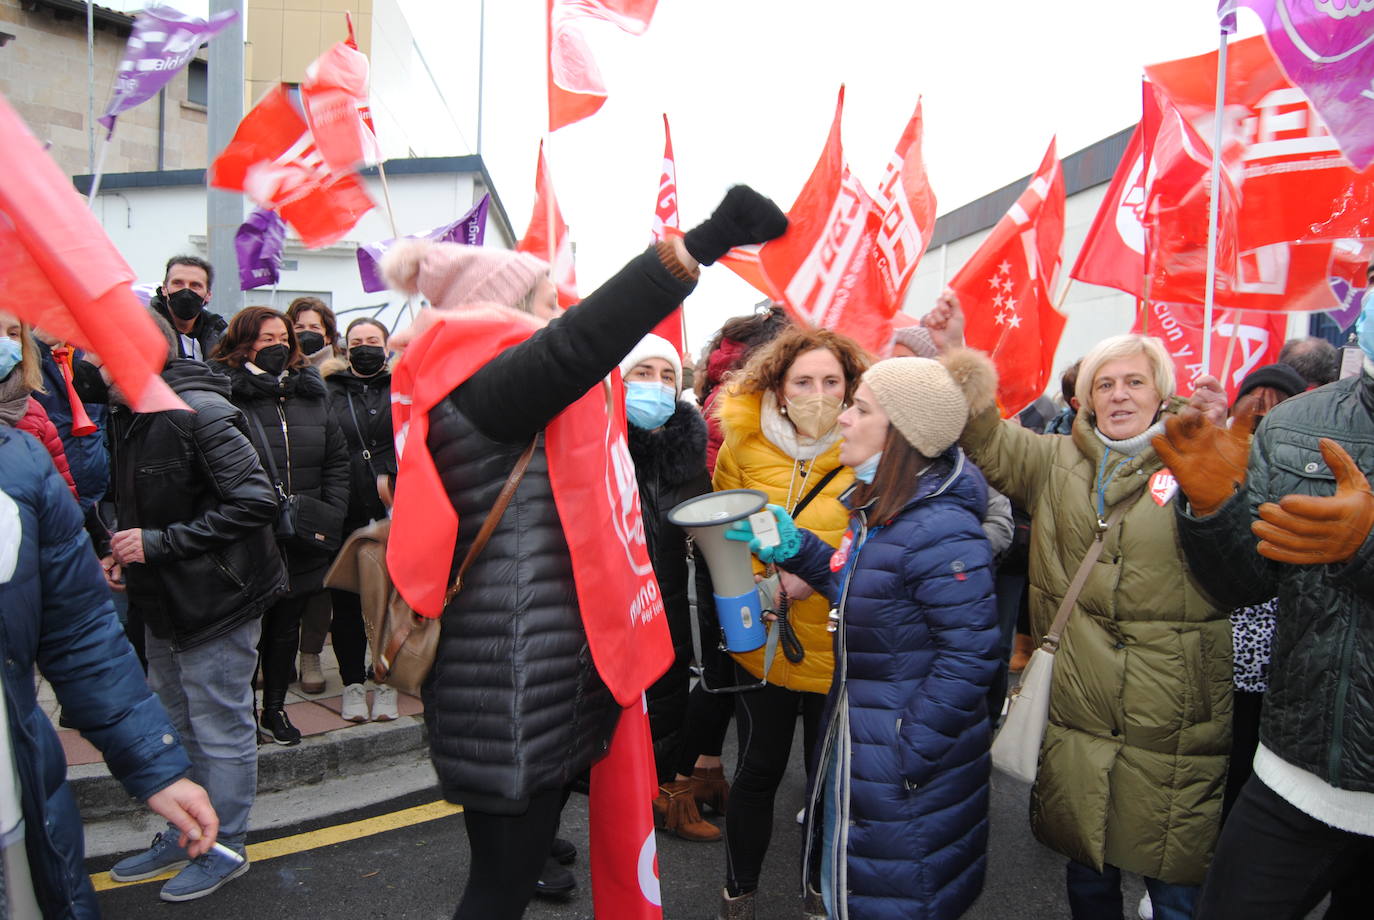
197, 83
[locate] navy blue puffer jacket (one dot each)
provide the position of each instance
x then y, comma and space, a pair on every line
906, 739
56, 613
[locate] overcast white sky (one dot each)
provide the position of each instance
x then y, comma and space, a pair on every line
749, 87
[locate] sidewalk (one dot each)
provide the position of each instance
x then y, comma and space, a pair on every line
337, 766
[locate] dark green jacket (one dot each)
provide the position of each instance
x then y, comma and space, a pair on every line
1319, 711
1135, 753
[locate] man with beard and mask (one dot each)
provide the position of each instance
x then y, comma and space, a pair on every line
1288, 513
181, 301
196, 554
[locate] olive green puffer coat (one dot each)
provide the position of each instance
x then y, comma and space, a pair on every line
1134, 758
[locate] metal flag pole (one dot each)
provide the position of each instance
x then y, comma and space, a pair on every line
1213, 207
90, 85
99, 172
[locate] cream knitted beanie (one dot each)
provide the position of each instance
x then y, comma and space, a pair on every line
452, 275
921, 400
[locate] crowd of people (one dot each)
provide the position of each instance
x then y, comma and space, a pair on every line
1210, 726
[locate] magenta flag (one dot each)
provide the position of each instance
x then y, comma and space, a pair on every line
258, 243
1326, 48
162, 42
470, 230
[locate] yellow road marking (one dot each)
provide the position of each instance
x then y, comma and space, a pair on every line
313, 840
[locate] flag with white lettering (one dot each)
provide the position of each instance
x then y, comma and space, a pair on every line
470, 230
1005, 289
162, 42
1113, 254
273, 159
547, 235
907, 206
1242, 340
824, 266
258, 244
665, 218
624, 851
1293, 180
1326, 48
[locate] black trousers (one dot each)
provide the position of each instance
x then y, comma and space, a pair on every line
281, 635
765, 720
1277, 862
349, 636
508, 853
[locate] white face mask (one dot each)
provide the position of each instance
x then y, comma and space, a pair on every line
867, 469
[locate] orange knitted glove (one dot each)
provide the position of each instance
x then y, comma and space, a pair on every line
1208, 461
1318, 529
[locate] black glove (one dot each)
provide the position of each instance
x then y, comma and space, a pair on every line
742, 217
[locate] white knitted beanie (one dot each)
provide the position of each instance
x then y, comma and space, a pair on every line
654, 346
921, 400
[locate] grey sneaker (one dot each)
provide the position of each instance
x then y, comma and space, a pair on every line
204, 876
165, 854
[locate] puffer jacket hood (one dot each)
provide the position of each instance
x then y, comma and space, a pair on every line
748, 460
184, 375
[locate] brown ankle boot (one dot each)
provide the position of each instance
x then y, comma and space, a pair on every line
675, 810
709, 788
1020, 653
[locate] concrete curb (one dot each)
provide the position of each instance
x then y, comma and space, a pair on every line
346, 752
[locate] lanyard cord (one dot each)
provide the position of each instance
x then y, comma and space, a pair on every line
1104, 477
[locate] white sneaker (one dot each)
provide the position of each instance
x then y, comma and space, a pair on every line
384, 704
801, 816
1146, 909
354, 703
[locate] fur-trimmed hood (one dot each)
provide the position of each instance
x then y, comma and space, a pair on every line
674, 453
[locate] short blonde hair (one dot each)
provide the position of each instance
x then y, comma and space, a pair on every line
1124, 346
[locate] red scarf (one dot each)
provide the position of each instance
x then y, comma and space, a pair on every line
594, 487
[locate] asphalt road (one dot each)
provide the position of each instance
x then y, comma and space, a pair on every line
345, 867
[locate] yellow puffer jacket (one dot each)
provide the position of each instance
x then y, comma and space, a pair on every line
748, 460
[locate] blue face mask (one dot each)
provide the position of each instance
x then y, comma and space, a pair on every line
648, 404
866, 470
10, 356
1364, 326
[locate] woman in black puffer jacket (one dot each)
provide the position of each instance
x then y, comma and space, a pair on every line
289, 423
360, 399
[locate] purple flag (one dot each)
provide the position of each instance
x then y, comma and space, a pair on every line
1326, 49
162, 42
470, 229
258, 243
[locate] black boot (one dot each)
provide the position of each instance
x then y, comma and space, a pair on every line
276, 727
554, 881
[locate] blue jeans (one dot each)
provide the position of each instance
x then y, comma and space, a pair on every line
207, 691
1096, 895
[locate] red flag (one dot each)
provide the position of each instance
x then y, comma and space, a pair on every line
665, 217
576, 89
907, 205
334, 95
1113, 255
274, 160
1005, 289
1294, 182
744, 262
624, 852
60, 272
825, 265
1241, 341
547, 235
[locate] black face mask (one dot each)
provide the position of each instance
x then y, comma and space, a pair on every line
185, 304
310, 342
367, 359
272, 359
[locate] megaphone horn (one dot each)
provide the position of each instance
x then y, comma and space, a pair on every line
706, 518
81, 422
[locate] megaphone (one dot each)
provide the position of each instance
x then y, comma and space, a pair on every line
706, 518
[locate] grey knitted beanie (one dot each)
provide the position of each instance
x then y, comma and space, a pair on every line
921, 400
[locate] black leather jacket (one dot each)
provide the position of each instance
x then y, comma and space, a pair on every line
1319, 709
193, 483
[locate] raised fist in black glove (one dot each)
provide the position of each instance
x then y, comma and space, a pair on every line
742, 217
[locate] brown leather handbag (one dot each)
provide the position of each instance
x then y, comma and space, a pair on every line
403, 643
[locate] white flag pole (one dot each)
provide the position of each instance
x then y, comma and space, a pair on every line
1214, 207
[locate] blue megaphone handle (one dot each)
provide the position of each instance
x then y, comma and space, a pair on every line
742, 621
